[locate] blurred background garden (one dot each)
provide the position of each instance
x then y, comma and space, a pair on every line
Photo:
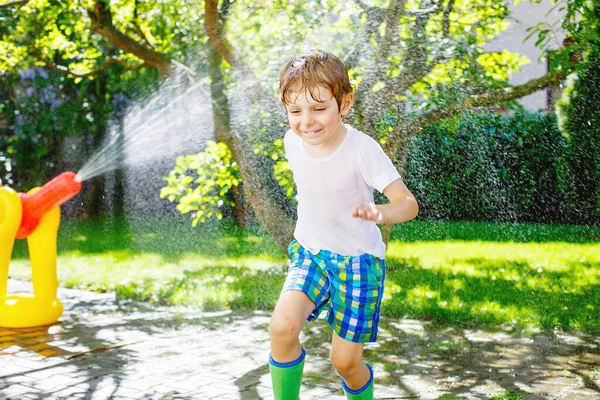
190, 201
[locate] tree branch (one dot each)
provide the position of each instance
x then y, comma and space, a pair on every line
13, 3
224, 10
213, 30
373, 13
549, 80
417, 67
368, 100
67, 72
392, 21
375, 17
137, 26
415, 60
101, 18
363, 6
446, 19
419, 13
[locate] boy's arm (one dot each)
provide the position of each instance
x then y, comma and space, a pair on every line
401, 208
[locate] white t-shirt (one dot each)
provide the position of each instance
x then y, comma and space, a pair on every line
330, 187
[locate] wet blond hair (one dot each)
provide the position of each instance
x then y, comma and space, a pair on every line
309, 70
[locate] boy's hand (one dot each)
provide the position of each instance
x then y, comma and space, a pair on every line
369, 212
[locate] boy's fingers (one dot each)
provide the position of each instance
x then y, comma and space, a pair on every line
368, 211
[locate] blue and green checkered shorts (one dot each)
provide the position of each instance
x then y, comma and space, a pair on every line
350, 286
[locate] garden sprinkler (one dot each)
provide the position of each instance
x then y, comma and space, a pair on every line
52, 194
35, 216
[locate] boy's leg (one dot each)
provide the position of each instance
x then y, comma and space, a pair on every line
357, 289
289, 316
357, 377
287, 356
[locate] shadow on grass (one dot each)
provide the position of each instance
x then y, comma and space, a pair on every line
214, 288
509, 293
503, 293
172, 237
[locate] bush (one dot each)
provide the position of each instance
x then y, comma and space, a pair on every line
484, 166
199, 183
579, 120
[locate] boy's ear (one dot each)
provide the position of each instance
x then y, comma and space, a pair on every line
347, 102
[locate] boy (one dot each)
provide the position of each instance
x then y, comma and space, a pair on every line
337, 256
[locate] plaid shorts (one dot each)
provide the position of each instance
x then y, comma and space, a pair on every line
350, 286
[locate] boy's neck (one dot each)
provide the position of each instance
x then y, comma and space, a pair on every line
324, 149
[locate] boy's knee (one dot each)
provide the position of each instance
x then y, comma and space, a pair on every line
345, 365
284, 328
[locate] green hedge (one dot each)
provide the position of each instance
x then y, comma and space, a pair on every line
489, 167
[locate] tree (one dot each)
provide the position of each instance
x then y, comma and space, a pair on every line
424, 63
78, 42
414, 62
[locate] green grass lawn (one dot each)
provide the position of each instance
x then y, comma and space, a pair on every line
466, 274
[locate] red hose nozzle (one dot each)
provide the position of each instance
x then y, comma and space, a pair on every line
52, 194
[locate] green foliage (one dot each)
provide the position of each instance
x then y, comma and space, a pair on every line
581, 23
266, 131
459, 65
579, 120
484, 166
199, 183
61, 33
266, 34
473, 73
44, 47
452, 44
449, 65
41, 112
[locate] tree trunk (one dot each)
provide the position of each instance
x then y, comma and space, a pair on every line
222, 123
259, 185
241, 206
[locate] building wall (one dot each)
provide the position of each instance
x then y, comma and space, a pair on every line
527, 14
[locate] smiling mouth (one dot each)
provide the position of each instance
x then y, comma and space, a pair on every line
313, 133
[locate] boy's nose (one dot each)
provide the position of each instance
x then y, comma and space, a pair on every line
307, 121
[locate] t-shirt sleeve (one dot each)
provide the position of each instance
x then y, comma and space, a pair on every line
375, 166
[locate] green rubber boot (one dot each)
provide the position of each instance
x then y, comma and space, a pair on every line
364, 393
287, 377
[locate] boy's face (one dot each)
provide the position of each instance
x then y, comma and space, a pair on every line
316, 122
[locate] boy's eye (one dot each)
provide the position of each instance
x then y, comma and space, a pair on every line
320, 109
293, 111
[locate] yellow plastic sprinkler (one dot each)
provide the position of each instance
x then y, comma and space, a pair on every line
34, 216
